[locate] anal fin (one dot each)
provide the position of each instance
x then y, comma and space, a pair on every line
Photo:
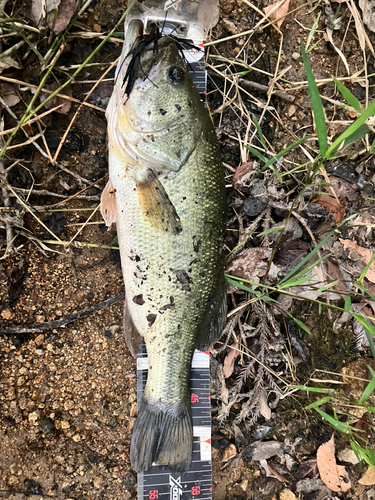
132, 337
108, 204
214, 322
157, 208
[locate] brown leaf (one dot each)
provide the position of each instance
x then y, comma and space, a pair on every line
333, 273
279, 9
229, 360
64, 14
331, 206
365, 254
277, 474
242, 175
208, 14
368, 478
55, 13
58, 100
343, 189
8, 62
9, 94
333, 476
306, 469
363, 426
251, 264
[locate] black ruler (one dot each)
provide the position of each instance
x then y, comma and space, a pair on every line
197, 483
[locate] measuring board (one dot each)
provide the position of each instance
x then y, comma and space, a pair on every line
197, 483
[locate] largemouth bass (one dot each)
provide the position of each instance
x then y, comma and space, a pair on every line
166, 194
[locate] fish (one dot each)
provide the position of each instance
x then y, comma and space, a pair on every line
166, 195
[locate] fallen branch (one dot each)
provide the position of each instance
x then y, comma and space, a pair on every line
61, 323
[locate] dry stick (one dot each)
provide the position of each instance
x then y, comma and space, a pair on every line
26, 206
67, 97
253, 30
45, 192
263, 88
61, 323
79, 109
6, 201
38, 117
80, 179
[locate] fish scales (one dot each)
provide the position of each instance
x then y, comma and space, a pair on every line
166, 193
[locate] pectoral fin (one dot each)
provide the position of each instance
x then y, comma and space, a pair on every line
108, 204
157, 208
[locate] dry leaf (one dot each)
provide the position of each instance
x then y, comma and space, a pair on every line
9, 94
64, 15
58, 100
277, 474
343, 189
368, 478
40, 8
331, 206
365, 254
251, 264
264, 409
54, 13
8, 62
242, 175
229, 360
277, 10
368, 7
208, 14
333, 476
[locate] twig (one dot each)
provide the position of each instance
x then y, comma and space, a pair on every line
79, 109
247, 84
6, 202
45, 192
66, 97
81, 179
61, 323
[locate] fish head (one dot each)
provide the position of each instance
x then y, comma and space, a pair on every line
158, 122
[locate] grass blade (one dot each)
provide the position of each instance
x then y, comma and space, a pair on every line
356, 135
348, 303
319, 390
335, 423
299, 323
272, 160
369, 331
369, 389
256, 153
321, 401
348, 96
312, 33
316, 103
259, 130
368, 265
272, 230
366, 114
307, 258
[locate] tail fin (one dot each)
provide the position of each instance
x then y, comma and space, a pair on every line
164, 436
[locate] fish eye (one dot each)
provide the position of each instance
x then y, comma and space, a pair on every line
176, 74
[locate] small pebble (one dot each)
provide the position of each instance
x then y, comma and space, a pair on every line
6, 314
33, 417
39, 340
46, 425
129, 481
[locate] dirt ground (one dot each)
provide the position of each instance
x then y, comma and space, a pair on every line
68, 395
